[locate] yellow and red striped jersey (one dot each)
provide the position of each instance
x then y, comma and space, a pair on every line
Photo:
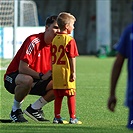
63, 48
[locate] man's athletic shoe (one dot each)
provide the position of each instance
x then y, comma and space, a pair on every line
74, 121
17, 116
59, 121
36, 115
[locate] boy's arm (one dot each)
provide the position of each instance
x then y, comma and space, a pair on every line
72, 69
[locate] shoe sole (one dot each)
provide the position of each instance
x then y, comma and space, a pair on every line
29, 115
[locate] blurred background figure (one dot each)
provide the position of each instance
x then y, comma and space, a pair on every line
125, 51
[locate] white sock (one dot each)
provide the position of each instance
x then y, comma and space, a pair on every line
16, 105
39, 103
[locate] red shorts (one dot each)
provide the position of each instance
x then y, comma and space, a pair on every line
64, 92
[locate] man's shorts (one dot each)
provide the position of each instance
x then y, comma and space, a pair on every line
38, 89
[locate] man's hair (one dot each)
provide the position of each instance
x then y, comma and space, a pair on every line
50, 20
64, 18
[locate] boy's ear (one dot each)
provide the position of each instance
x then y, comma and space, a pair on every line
66, 26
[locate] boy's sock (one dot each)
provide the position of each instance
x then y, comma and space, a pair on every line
57, 106
72, 106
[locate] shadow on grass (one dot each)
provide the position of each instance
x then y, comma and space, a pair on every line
5, 121
53, 128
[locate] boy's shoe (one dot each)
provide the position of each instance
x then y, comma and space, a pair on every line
60, 121
36, 115
17, 116
74, 121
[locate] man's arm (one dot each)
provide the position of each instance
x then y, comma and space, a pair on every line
114, 78
25, 69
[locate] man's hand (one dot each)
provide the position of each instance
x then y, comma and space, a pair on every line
47, 75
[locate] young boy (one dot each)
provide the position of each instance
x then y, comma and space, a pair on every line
64, 51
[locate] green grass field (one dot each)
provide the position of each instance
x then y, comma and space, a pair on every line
93, 76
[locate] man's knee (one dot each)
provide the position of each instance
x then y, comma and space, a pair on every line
23, 87
24, 80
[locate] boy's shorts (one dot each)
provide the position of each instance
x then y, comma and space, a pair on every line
64, 92
38, 89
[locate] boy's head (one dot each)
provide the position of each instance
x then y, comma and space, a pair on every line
66, 21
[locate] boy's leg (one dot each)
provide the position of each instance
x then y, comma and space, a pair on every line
71, 106
57, 104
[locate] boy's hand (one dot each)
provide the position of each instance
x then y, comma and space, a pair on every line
72, 77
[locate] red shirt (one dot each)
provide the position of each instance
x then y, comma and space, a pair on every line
35, 53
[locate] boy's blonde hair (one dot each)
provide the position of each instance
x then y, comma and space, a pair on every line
63, 19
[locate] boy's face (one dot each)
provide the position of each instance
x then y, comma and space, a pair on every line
70, 26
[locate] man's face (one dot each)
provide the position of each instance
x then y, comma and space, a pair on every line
52, 30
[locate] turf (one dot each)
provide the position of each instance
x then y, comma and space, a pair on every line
93, 76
